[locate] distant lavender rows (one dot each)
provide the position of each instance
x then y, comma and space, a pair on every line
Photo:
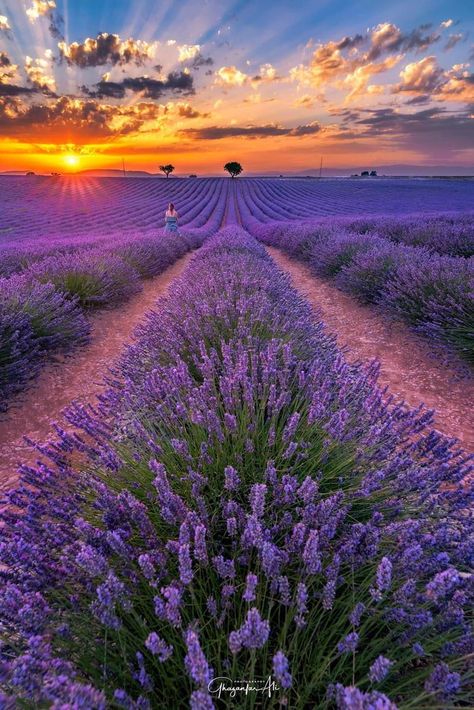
251, 507
432, 291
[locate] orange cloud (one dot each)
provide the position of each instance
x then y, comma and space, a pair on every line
36, 71
40, 8
231, 76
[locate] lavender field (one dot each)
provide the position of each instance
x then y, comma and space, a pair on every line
245, 500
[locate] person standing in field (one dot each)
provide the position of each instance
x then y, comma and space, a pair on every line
171, 219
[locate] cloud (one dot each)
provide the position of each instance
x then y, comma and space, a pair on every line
188, 51
453, 40
36, 72
420, 130
231, 76
306, 101
360, 77
387, 38
66, 119
4, 60
182, 109
351, 61
421, 77
40, 8
107, 49
265, 131
179, 82
426, 77
10, 90
267, 73
458, 85
446, 23
4, 24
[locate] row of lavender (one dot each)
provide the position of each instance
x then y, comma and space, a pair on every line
432, 293
247, 506
43, 307
385, 202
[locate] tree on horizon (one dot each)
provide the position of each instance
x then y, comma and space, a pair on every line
233, 168
167, 169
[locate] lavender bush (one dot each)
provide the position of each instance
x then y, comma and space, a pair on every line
95, 278
369, 270
436, 295
18, 353
245, 505
58, 323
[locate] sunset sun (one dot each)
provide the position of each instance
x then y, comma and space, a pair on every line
71, 161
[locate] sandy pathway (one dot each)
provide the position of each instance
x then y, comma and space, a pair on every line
78, 376
408, 367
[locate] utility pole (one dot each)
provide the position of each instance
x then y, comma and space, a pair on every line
123, 167
321, 167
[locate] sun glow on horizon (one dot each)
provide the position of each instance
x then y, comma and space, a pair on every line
71, 160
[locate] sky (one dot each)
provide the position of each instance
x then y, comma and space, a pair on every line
277, 85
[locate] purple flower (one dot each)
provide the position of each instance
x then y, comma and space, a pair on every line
257, 499
158, 647
200, 549
195, 660
253, 633
251, 584
301, 605
232, 480
379, 669
111, 596
356, 614
185, 564
281, 669
311, 553
442, 682
200, 700
349, 643
442, 583
383, 579
351, 698
169, 608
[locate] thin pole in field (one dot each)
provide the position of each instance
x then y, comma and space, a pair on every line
321, 167
123, 167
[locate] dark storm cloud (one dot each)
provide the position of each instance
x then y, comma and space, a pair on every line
106, 48
177, 82
219, 132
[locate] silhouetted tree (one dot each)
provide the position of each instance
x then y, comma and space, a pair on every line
167, 169
233, 168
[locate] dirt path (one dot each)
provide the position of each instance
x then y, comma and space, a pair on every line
79, 376
408, 367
